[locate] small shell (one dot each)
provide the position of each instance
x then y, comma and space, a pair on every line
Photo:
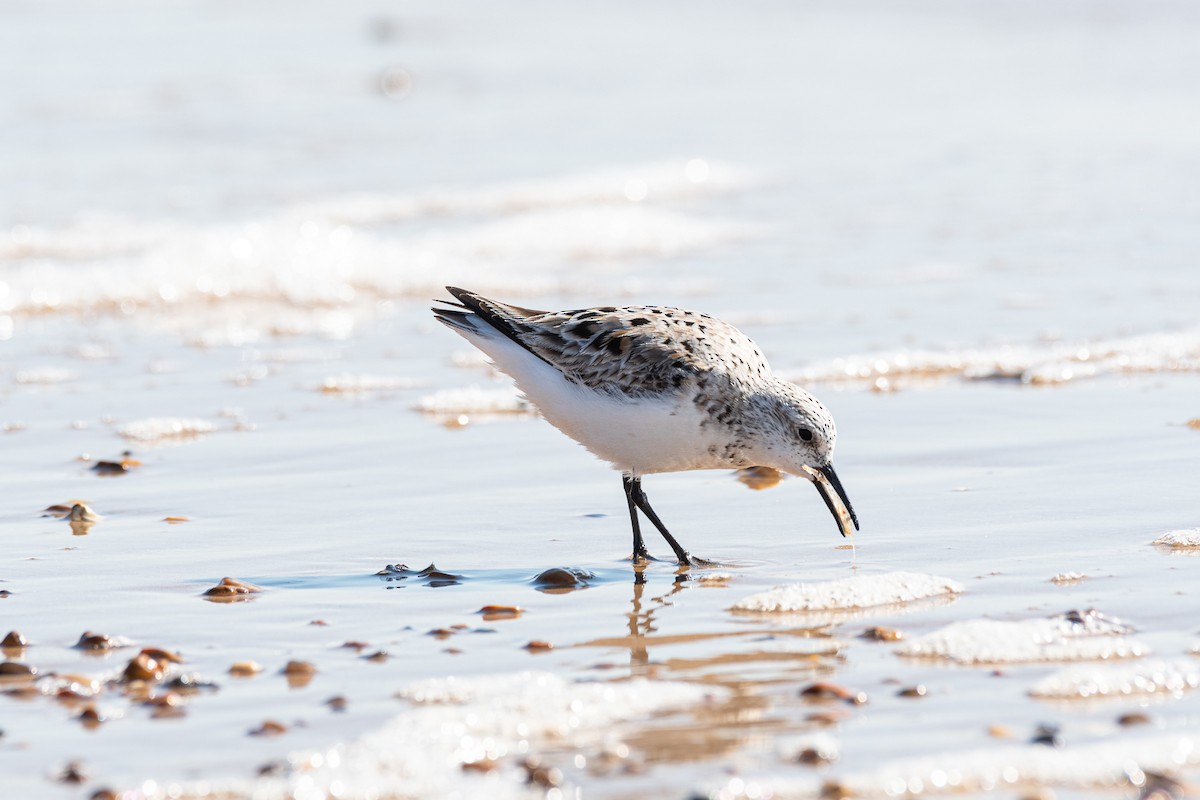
299, 673
491, 613
231, 590
269, 728
882, 634
245, 669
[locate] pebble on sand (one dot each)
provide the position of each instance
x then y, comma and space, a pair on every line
160, 654
91, 717
299, 673
880, 633
143, 667
14, 671
116, 467
14, 640
561, 579
100, 642
231, 590
492, 613
269, 728
245, 669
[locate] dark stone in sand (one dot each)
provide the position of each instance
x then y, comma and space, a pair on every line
96, 641
1133, 718
1049, 735
110, 468
562, 578
72, 773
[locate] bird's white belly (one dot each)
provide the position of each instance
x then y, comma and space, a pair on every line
643, 435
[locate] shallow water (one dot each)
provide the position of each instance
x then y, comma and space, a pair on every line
1032, 202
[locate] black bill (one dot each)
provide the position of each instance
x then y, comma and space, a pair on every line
839, 504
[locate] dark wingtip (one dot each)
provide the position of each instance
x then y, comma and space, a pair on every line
460, 295
454, 319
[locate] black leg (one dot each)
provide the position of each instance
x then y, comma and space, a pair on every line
640, 553
637, 498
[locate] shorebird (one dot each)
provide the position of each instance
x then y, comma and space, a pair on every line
652, 389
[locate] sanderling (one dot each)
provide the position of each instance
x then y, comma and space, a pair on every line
653, 389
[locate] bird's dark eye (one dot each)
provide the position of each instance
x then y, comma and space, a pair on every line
805, 434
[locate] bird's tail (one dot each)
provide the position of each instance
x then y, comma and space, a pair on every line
476, 314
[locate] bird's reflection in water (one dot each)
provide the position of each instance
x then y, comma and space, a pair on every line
641, 617
754, 669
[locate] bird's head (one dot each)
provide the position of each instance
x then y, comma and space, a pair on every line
798, 438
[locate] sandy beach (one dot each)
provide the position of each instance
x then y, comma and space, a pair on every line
970, 230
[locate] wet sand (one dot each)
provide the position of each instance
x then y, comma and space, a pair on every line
232, 372
309, 495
